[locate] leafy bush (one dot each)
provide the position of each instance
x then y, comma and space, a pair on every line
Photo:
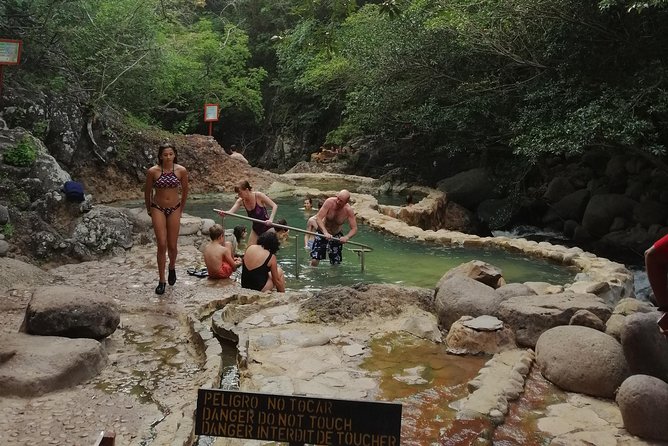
7, 230
23, 155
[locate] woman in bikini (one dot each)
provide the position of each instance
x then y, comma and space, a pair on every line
260, 270
165, 206
255, 204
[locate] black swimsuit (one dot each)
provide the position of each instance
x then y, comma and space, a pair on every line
256, 278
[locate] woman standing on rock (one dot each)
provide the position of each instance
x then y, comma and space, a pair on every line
255, 204
163, 204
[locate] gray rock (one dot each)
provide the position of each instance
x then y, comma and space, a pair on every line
645, 348
478, 270
4, 248
70, 312
643, 403
586, 318
462, 296
515, 289
14, 273
571, 206
103, 229
42, 364
581, 359
469, 188
4, 215
602, 209
530, 316
484, 334
557, 188
624, 308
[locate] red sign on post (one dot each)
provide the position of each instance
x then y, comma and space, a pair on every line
210, 114
10, 54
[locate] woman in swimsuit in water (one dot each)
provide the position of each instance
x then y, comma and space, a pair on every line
255, 204
163, 204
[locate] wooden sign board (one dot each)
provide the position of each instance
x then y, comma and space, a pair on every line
10, 52
297, 419
210, 112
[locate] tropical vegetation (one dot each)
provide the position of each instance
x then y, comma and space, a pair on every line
526, 79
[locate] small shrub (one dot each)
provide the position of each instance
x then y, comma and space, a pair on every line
40, 129
23, 155
8, 230
20, 199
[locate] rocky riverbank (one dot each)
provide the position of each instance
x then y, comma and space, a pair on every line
165, 348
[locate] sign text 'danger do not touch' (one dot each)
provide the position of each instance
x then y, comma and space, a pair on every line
297, 419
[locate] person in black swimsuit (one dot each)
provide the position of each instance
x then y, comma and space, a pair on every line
260, 270
165, 205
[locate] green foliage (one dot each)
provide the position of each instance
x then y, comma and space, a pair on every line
40, 128
533, 78
20, 199
21, 155
342, 134
202, 64
8, 230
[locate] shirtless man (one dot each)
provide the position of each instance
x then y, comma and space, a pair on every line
218, 255
335, 211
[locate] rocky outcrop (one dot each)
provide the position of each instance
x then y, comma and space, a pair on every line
581, 359
15, 273
531, 316
70, 312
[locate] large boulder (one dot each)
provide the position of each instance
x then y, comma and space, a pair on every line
14, 273
581, 359
469, 188
530, 316
558, 188
645, 348
103, 230
602, 210
643, 403
70, 312
477, 270
570, 207
462, 296
624, 308
35, 365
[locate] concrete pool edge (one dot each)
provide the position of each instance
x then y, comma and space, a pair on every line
609, 280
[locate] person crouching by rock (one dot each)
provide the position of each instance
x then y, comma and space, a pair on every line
163, 204
260, 270
218, 255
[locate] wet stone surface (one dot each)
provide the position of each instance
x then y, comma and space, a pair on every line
154, 370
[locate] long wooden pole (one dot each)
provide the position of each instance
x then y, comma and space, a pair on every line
277, 225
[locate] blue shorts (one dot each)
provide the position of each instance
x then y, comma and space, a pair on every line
322, 247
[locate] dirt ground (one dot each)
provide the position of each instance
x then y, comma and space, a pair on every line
210, 170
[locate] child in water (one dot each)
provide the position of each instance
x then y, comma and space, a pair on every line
220, 263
